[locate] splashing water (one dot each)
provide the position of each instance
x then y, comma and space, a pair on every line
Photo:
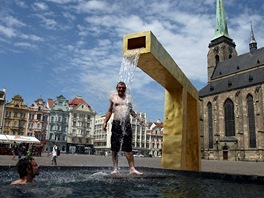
128, 66
126, 74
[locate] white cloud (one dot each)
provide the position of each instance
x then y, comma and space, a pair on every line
25, 45
91, 6
11, 21
31, 37
8, 32
40, 6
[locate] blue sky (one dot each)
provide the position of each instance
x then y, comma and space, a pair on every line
74, 47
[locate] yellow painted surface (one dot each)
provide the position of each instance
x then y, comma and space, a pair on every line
181, 148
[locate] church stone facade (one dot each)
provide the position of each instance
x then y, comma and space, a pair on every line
232, 103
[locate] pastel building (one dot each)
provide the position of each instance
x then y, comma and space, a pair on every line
15, 117
38, 120
59, 118
155, 138
81, 125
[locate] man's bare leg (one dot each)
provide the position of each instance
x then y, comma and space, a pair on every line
130, 160
115, 162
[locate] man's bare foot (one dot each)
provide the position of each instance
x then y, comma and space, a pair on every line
134, 171
114, 172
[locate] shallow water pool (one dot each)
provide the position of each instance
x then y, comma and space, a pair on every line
96, 182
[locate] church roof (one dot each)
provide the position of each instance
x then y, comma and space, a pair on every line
235, 73
239, 63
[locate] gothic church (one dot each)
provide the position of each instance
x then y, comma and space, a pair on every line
231, 104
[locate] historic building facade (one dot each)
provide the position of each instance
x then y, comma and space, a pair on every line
81, 124
15, 117
154, 134
38, 120
232, 103
59, 117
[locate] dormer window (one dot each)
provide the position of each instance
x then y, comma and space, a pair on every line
211, 88
250, 78
230, 83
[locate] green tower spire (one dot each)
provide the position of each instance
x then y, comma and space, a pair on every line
221, 23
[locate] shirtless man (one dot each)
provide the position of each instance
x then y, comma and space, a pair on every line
27, 169
121, 106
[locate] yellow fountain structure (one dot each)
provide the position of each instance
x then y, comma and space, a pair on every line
181, 146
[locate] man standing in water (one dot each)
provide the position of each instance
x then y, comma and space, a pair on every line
121, 106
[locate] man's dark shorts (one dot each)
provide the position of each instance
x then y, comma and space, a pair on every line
121, 137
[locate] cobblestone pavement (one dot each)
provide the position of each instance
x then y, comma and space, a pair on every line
230, 167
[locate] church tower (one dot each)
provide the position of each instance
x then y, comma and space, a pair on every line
221, 46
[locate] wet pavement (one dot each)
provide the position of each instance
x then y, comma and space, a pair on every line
216, 166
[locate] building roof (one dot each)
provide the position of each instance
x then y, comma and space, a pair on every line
152, 125
221, 23
50, 103
235, 73
239, 64
78, 100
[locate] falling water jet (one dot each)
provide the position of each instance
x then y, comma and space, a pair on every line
126, 75
128, 66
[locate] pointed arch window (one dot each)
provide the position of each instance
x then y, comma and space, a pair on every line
229, 118
210, 125
216, 59
251, 121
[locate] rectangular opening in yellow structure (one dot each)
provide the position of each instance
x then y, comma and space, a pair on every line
135, 43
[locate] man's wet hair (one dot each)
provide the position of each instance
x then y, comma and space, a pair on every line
120, 83
23, 165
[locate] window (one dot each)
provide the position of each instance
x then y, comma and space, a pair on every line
39, 117
21, 124
31, 116
216, 59
7, 123
251, 122
8, 114
229, 118
44, 118
210, 125
22, 115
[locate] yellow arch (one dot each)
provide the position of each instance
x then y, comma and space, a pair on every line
181, 146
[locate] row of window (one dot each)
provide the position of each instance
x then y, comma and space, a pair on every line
16, 114
229, 120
